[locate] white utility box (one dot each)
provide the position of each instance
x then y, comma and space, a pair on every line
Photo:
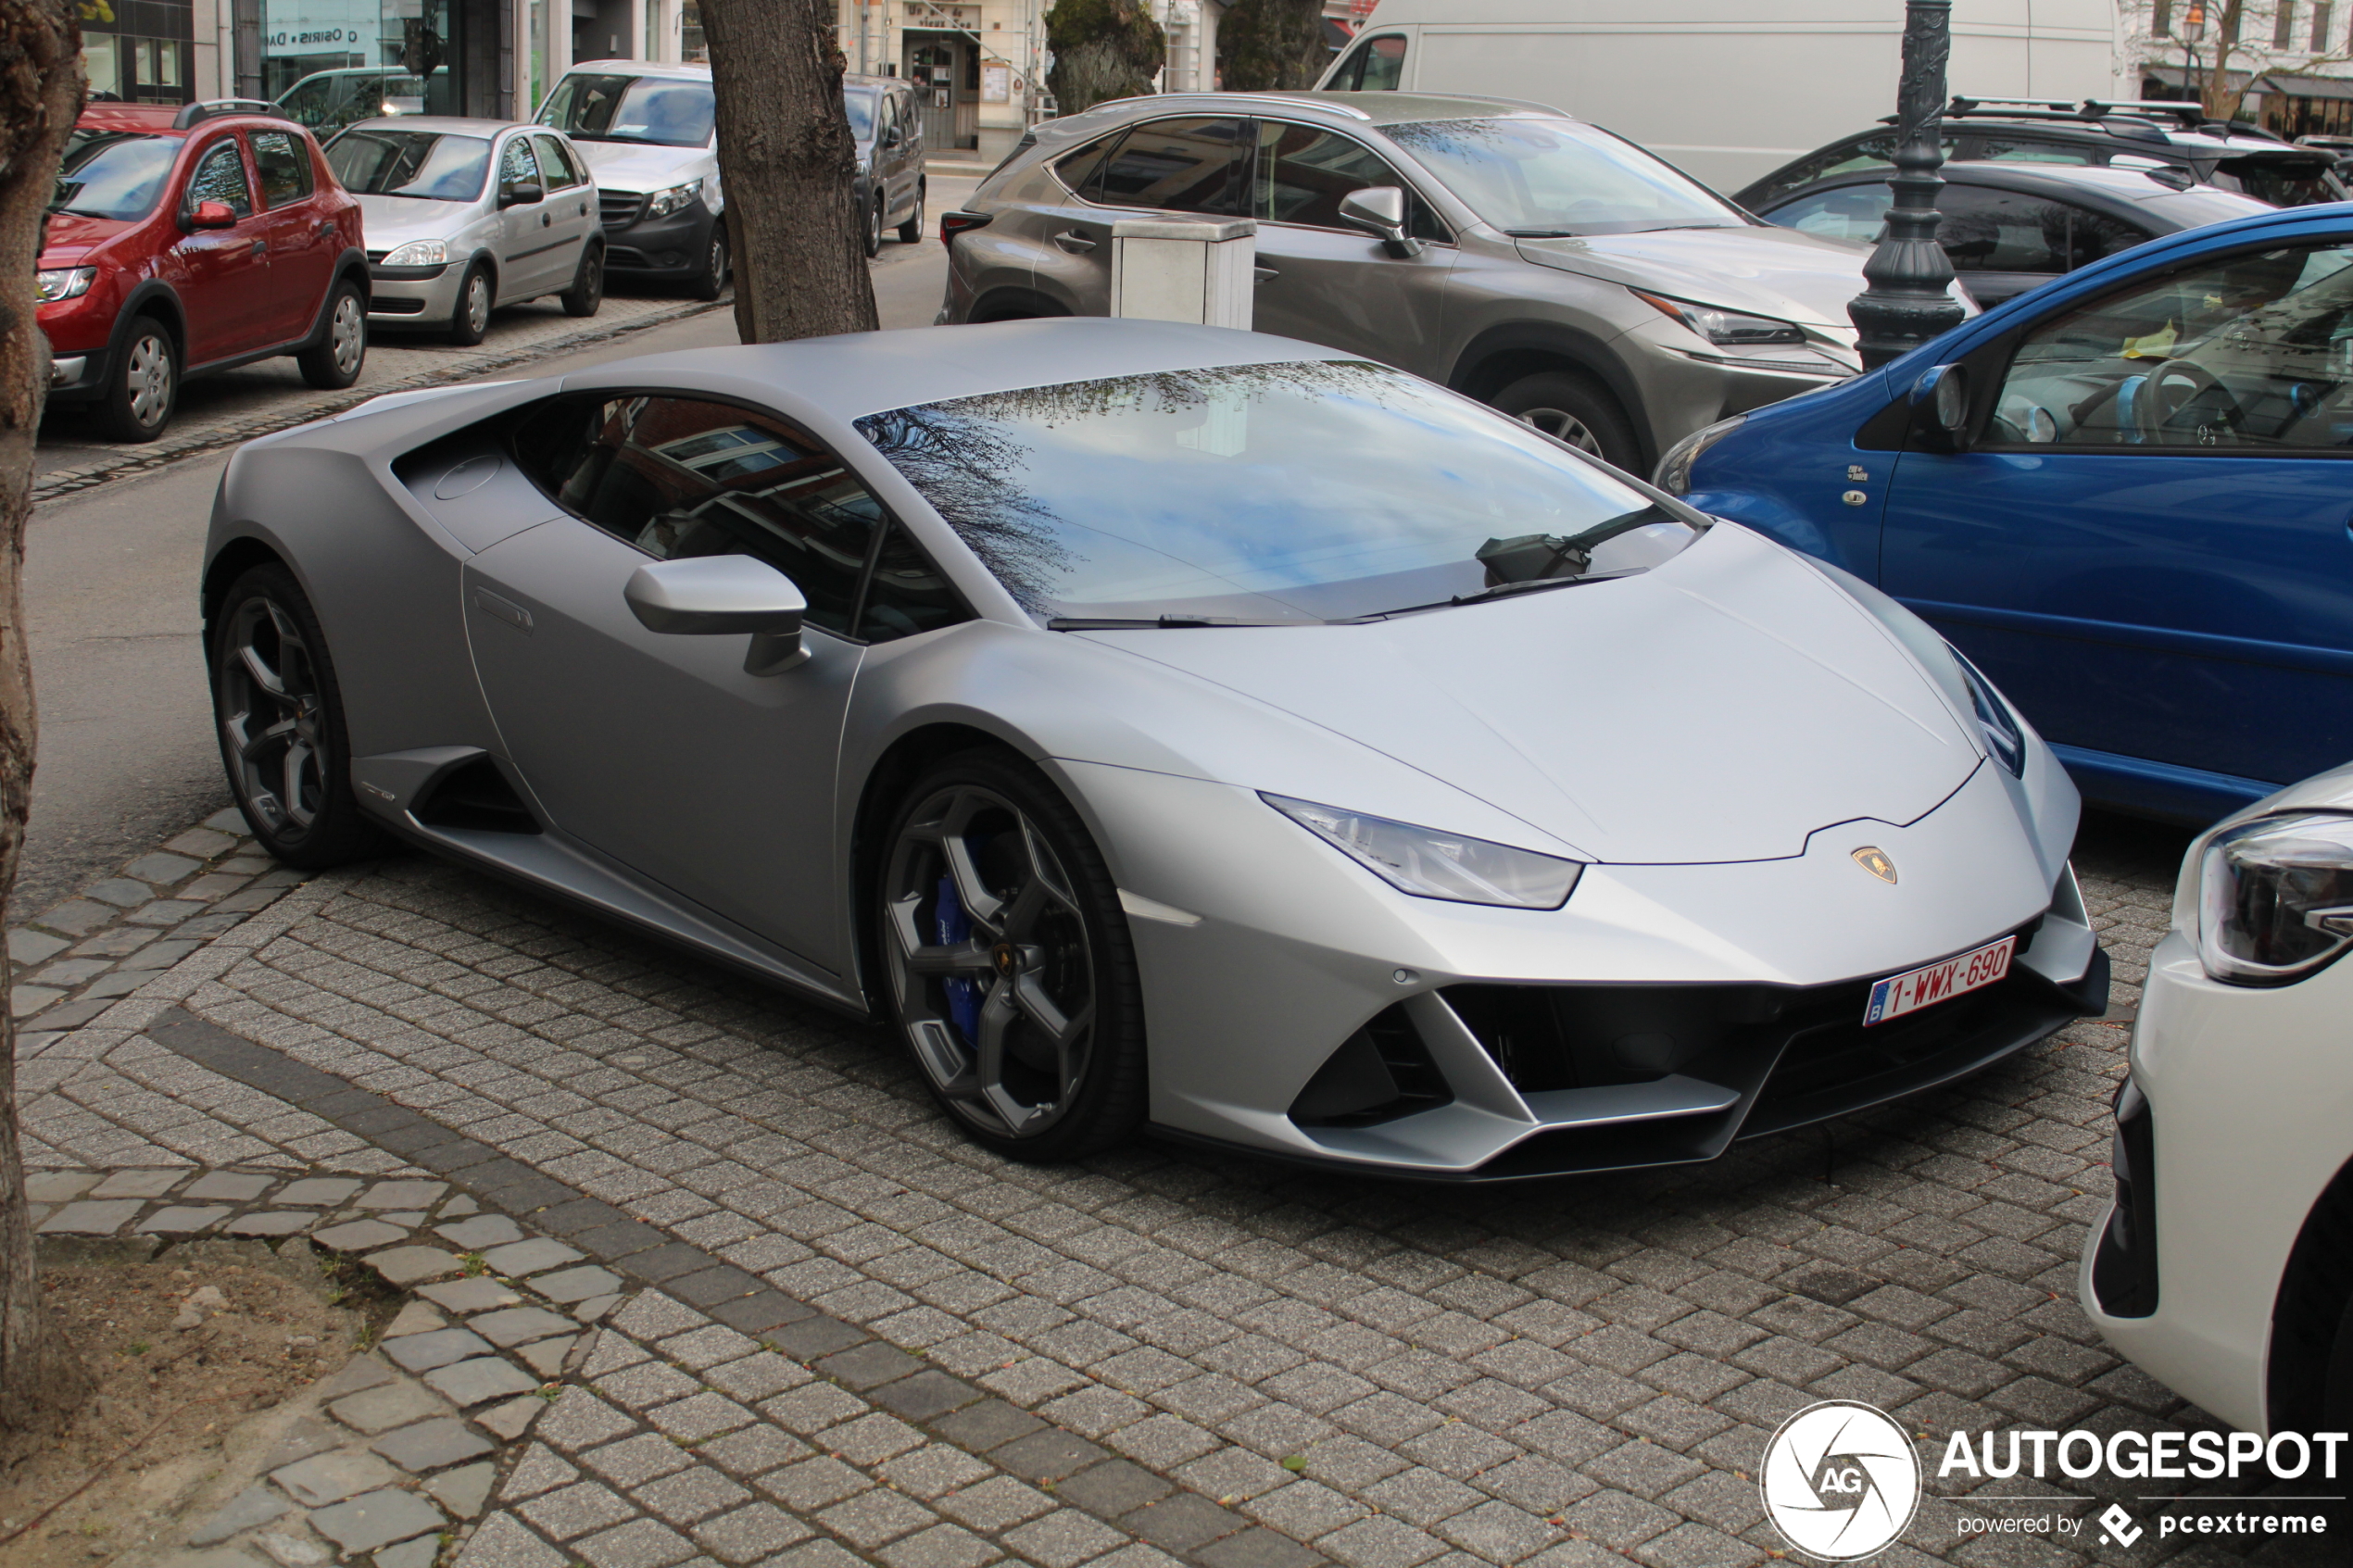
1184, 269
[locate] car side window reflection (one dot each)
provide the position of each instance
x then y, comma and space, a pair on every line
285, 163
1174, 165
678, 477
1301, 173
516, 166
2251, 353
222, 178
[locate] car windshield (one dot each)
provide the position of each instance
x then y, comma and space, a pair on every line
112, 173
1556, 177
861, 113
430, 165
662, 112
1285, 494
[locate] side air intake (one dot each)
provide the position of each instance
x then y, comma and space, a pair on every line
474, 798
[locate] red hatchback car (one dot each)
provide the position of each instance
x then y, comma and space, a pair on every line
182, 240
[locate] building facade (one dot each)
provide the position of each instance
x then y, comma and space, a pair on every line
2291, 59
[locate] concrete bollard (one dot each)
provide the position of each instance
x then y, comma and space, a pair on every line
1184, 269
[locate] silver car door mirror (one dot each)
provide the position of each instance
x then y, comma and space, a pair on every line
1380, 209
1941, 409
711, 595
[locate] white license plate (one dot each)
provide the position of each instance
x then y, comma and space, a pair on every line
1900, 994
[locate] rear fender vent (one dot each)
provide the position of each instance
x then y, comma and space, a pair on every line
474, 798
1380, 1073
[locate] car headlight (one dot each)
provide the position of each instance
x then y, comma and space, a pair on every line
2002, 736
419, 253
663, 203
1725, 329
63, 282
1430, 864
2275, 897
1674, 474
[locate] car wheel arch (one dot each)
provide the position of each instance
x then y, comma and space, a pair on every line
156, 299
1503, 355
1015, 304
2311, 1339
236, 559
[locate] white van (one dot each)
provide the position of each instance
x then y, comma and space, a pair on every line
1728, 90
651, 135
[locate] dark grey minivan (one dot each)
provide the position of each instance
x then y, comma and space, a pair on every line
889, 131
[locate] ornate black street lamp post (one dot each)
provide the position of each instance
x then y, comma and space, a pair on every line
1909, 300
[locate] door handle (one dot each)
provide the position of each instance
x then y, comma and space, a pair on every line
545, 219
262, 247
584, 209
1075, 243
1260, 274
327, 226
504, 609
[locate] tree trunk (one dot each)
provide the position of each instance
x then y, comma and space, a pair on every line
1273, 45
793, 231
1103, 49
40, 96
2219, 99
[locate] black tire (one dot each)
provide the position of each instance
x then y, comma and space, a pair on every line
871, 237
341, 353
469, 318
1575, 408
1052, 944
143, 385
912, 231
712, 280
587, 292
278, 715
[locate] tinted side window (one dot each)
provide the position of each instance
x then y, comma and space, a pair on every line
2244, 352
677, 477
1175, 165
1301, 173
553, 163
1986, 231
222, 178
283, 161
1078, 169
1842, 212
907, 594
2014, 149
516, 166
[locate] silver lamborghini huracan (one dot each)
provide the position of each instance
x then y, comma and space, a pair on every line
1157, 724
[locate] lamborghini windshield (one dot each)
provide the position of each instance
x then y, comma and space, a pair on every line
1286, 494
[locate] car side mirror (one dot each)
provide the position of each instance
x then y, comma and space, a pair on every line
713, 595
524, 195
1380, 209
1941, 409
890, 137
212, 215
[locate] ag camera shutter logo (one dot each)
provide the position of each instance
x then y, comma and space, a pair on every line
1841, 1480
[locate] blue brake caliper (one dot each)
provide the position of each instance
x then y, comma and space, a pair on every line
950, 926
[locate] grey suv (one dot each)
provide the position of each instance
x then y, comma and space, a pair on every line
1536, 262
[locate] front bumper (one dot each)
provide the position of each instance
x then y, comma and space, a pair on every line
413, 296
1664, 1013
2247, 1118
667, 249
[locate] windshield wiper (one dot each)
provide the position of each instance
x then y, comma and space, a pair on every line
1153, 623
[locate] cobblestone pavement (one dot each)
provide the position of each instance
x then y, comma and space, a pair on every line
1161, 1354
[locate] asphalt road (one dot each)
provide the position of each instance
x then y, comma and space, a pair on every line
126, 755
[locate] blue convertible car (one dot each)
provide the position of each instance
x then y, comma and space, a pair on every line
2124, 496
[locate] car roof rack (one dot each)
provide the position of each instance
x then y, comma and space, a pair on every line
2139, 114
213, 108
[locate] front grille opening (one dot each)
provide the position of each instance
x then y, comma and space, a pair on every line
1548, 1037
1380, 1073
474, 798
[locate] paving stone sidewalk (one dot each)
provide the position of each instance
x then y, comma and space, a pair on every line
1567, 1372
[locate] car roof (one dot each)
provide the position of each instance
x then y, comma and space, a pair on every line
1373, 109
849, 376
155, 117
854, 80
639, 68
447, 124
2065, 180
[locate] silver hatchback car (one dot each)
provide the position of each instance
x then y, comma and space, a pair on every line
463, 214
1533, 261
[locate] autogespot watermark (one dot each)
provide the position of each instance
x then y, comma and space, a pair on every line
1841, 1481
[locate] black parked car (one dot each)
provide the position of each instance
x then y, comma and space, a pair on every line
2227, 154
2009, 226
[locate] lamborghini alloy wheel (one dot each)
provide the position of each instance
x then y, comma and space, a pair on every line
280, 723
1008, 962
